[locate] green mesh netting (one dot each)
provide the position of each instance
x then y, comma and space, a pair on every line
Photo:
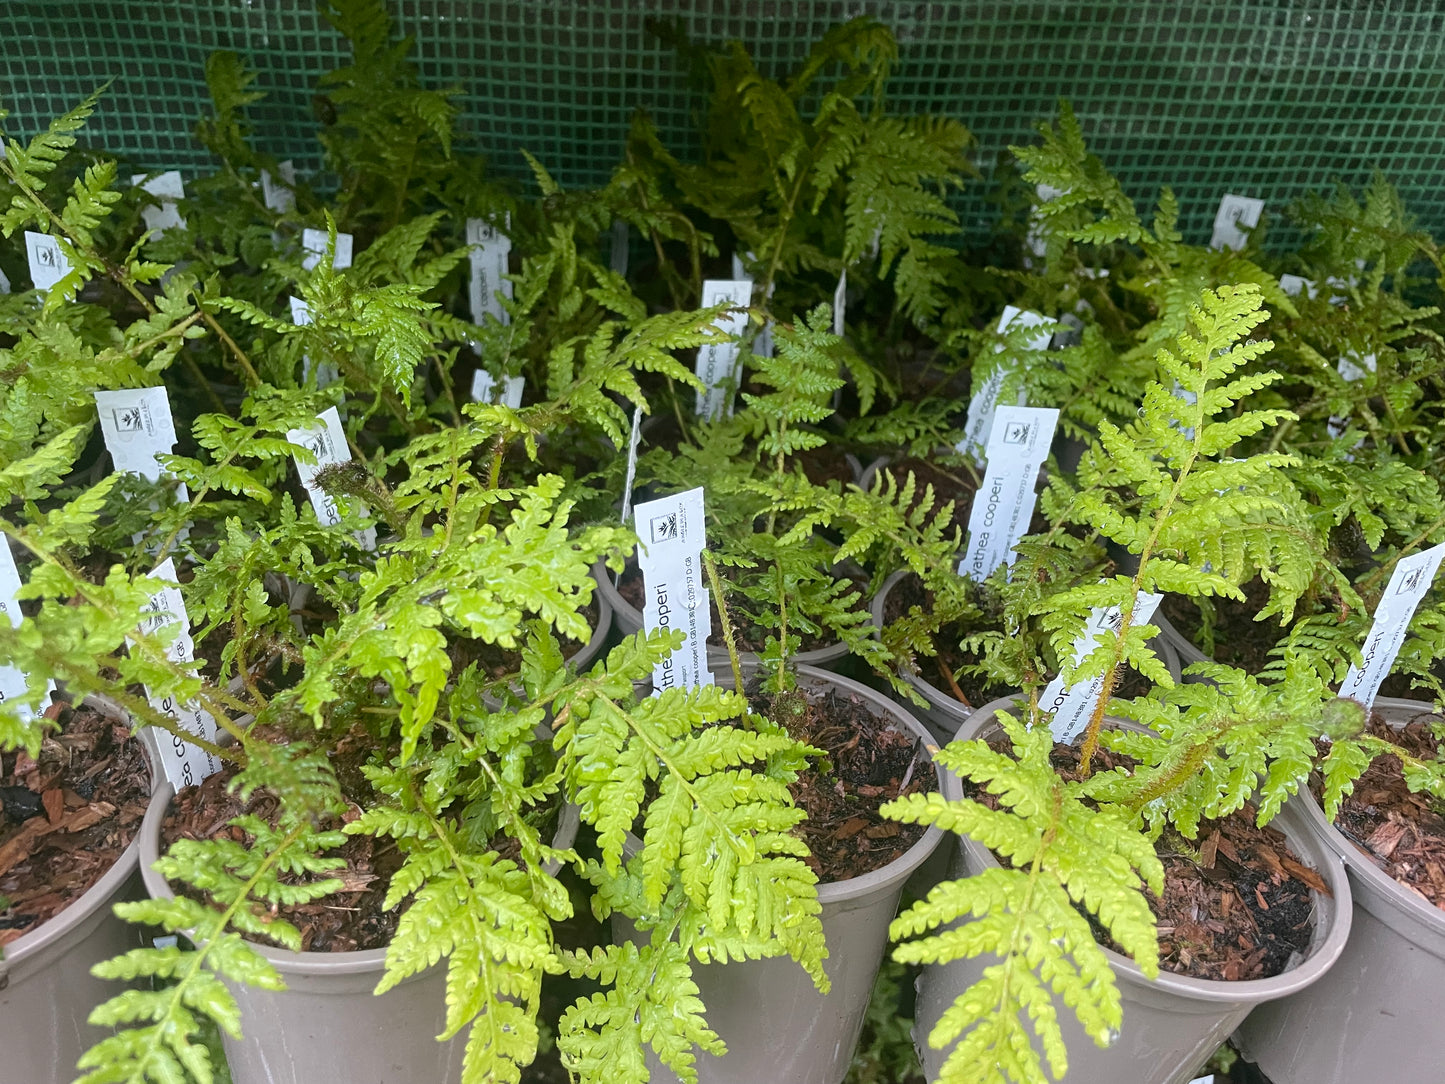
1261, 98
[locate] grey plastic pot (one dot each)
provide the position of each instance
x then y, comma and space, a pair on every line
1369, 1018
327, 1027
945, 713
1172, 1024
628, 619
776, 1024
46, 988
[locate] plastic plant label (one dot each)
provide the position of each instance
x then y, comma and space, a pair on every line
184, 764
718, 364
1034, 238
168, 188
979, 422
137, 426
840, 302
1294, 286
1408, 584
48, 264
1353, 369
1004, 504
1203, 1079
617, 258
13, 682
485, 389
326, 372
763, 340
326, 441
672, 534
488, 252
313, 243
4, 283
281, 197
1074, 706
1237, 215
634, 438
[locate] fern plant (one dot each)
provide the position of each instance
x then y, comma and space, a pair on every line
1197, 522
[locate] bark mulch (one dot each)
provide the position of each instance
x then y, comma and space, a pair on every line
66, 817
347, 921
1402, 833
1237, 902
868, 763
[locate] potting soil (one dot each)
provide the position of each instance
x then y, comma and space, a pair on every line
66, 817
1399, 831
868, 762
1239, 640
1236, 903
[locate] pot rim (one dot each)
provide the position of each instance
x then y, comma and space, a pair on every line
60, 925
834, 892
1391, 891
284, 960
1324, 950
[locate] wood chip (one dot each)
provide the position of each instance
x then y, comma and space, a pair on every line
1209, 849
54, 802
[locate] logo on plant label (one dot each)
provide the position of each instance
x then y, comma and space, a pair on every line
1016, 433
1410, 581
665, 528
129, 420
45, 256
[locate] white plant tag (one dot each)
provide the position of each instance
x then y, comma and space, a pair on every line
326, 372
1352, 373
1004, 504
327, 442
48, 265
634, 438
1034, 238
280, 197
763, 340
620, 243
840, 302
672, 534
488, 250
1294, 286
484, 389
168, 188
1073, 706
718, 364
184, 764
13, 682
313, 243
1235, 217
1408, 585
1203, 1079
981, 407
4, 283
137, 426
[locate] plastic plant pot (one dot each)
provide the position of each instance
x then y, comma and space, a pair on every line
46, 988
628, 619
776, 1025
327, 1025
1369, 1017
946, 713
1172, 1024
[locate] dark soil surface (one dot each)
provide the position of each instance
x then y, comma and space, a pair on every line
66, 818
950, 483
348, 921
1239, 640
942, 670
1236, 903
825, 464
498, 662
1401, 832
868, 763
751, 635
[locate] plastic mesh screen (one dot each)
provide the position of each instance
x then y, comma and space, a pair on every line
1261, 98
